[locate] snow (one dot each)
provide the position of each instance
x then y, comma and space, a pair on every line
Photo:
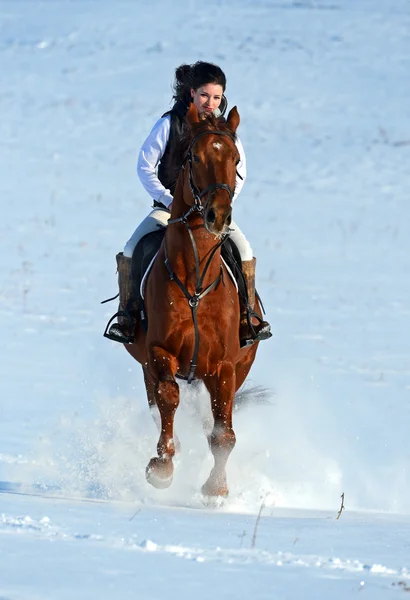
322, 88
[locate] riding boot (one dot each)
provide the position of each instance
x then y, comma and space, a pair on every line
123, 330
248, 332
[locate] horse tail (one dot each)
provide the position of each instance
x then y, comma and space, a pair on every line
256, 394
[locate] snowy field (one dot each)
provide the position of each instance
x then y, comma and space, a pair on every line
323, 91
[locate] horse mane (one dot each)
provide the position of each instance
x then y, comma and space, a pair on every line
212, 123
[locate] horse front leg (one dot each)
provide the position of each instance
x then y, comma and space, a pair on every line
222, 440
159, 471
150, 384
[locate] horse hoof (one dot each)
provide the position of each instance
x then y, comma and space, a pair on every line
159, 473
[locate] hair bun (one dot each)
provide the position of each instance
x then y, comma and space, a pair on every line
183, 74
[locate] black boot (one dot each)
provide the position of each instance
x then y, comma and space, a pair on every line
123, 330
248, 332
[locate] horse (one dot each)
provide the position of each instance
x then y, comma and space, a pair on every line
191, 302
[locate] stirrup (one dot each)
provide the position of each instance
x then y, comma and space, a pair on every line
115, 332
264, 333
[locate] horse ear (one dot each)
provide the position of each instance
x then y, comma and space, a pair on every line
192, 116
233, 119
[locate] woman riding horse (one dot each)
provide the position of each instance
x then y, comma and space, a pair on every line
159, 163
191, 303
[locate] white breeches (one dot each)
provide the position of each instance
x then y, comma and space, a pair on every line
160, 217
150, 223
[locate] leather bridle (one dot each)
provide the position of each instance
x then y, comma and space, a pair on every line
210, 189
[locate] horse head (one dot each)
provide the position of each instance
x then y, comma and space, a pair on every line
212, 159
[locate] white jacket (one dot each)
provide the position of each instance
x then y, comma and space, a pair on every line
151, 152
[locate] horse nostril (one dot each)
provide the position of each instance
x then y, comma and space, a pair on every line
211, 216
229, 220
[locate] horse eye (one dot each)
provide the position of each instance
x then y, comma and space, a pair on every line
195, 158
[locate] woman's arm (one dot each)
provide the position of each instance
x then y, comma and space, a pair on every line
241, 169
151, 152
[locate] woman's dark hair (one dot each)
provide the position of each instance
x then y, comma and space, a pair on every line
194, 76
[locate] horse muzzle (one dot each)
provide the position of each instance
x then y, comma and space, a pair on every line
217, 218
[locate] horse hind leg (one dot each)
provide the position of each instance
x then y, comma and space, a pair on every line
159, 471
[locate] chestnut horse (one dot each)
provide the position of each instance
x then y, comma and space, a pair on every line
191, 303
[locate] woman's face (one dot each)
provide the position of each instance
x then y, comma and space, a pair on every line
207, 98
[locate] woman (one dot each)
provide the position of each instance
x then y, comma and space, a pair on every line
159, 162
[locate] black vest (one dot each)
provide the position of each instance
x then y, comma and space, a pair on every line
178, 142
171, 162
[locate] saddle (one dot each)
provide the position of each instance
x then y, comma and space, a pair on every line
143, 257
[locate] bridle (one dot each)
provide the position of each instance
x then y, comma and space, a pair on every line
196, 193
197, 206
